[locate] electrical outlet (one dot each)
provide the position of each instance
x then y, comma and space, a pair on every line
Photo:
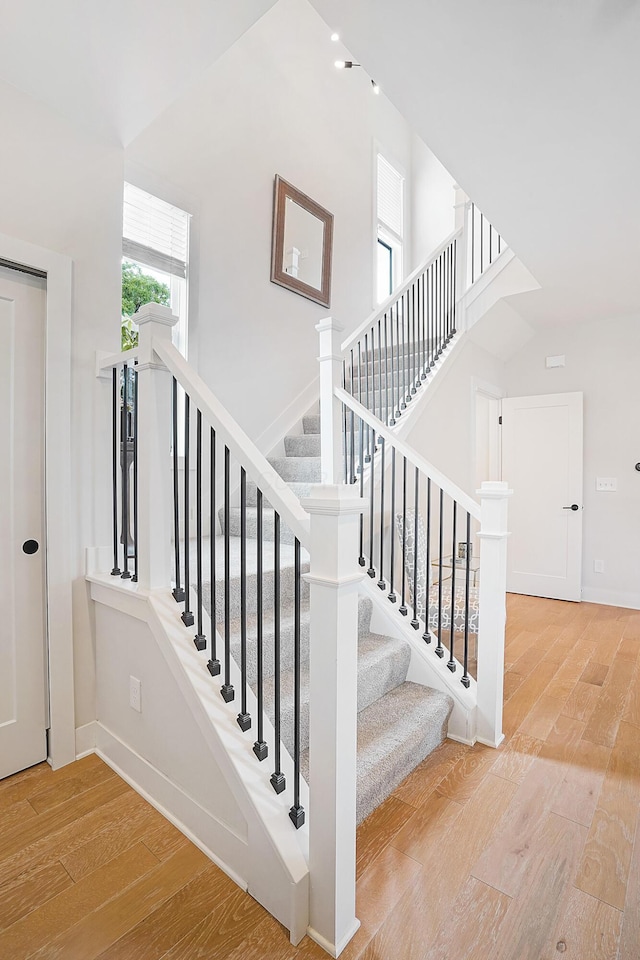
598, 566
135, 694
607, 484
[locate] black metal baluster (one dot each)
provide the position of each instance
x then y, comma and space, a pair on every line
366, 373
398, 409
296, 813
449, 262
455, 284
260, 747
499, 242
432, 290
439, 647
115, 572
371, 571
226, 689
178, 592
426, 636
243, 718
422, 332
124, 433
213, 666
415, 623
465, 675
361, 558
135, 476
392, 419
200, 639
352, 452
403, 605
345, 439
490, 244
277, 779
386, 370
452, 662
473, 242
187, 615
407, 323
377, 411
414, 342
392, 538
381, 582
481, 244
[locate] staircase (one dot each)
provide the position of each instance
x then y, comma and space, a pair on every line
399, 722
351, 699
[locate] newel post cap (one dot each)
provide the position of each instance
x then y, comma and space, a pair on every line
155, 313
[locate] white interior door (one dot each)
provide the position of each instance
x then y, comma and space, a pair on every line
23, 712
542, 462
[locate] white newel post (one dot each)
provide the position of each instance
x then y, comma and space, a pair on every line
330, 413
494, 496
155, 508
333, 681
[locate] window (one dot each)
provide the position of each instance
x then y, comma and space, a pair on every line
155, 237
389, 227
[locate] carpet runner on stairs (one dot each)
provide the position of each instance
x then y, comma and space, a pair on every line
399, 722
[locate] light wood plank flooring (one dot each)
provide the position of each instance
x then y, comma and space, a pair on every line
525, 853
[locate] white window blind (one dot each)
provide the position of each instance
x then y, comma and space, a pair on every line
390, 189
154, 232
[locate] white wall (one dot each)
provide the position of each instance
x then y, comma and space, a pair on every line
602, 362
61, 189
433, 195
444, 431
273, 104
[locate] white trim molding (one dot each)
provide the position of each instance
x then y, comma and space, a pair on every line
59, 619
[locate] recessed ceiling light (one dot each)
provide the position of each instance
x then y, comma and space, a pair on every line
335, 37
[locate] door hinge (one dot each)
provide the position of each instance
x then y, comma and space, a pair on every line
500, 420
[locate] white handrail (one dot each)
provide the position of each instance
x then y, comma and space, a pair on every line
111, 360
462, 498
380, 311
243, 449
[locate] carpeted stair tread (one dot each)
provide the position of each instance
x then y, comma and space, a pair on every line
382, 665
311, 423
306, 469
305, 445
395, 734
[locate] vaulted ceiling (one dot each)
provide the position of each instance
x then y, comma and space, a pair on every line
113, 66
532, 106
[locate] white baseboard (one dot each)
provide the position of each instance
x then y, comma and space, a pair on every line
333, 949
86, 740
611, 598
173, 803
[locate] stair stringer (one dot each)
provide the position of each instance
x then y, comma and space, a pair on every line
425, 666
269, 858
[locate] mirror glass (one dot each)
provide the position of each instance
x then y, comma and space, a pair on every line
301, 244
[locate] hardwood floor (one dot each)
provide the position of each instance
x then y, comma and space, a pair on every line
523, 853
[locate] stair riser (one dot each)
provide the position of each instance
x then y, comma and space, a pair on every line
311, 423
302, 469
268, 526
308, 445
286, 592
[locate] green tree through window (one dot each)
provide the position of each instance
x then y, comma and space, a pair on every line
138, 288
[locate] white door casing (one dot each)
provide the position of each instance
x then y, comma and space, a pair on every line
542, 460
23, 719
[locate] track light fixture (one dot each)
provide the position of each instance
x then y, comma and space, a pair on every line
346, 64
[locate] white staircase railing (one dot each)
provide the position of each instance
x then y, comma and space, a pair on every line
247, 592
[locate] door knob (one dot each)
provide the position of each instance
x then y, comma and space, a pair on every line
574, 506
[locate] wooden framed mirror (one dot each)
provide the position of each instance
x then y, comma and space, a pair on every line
301, 245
